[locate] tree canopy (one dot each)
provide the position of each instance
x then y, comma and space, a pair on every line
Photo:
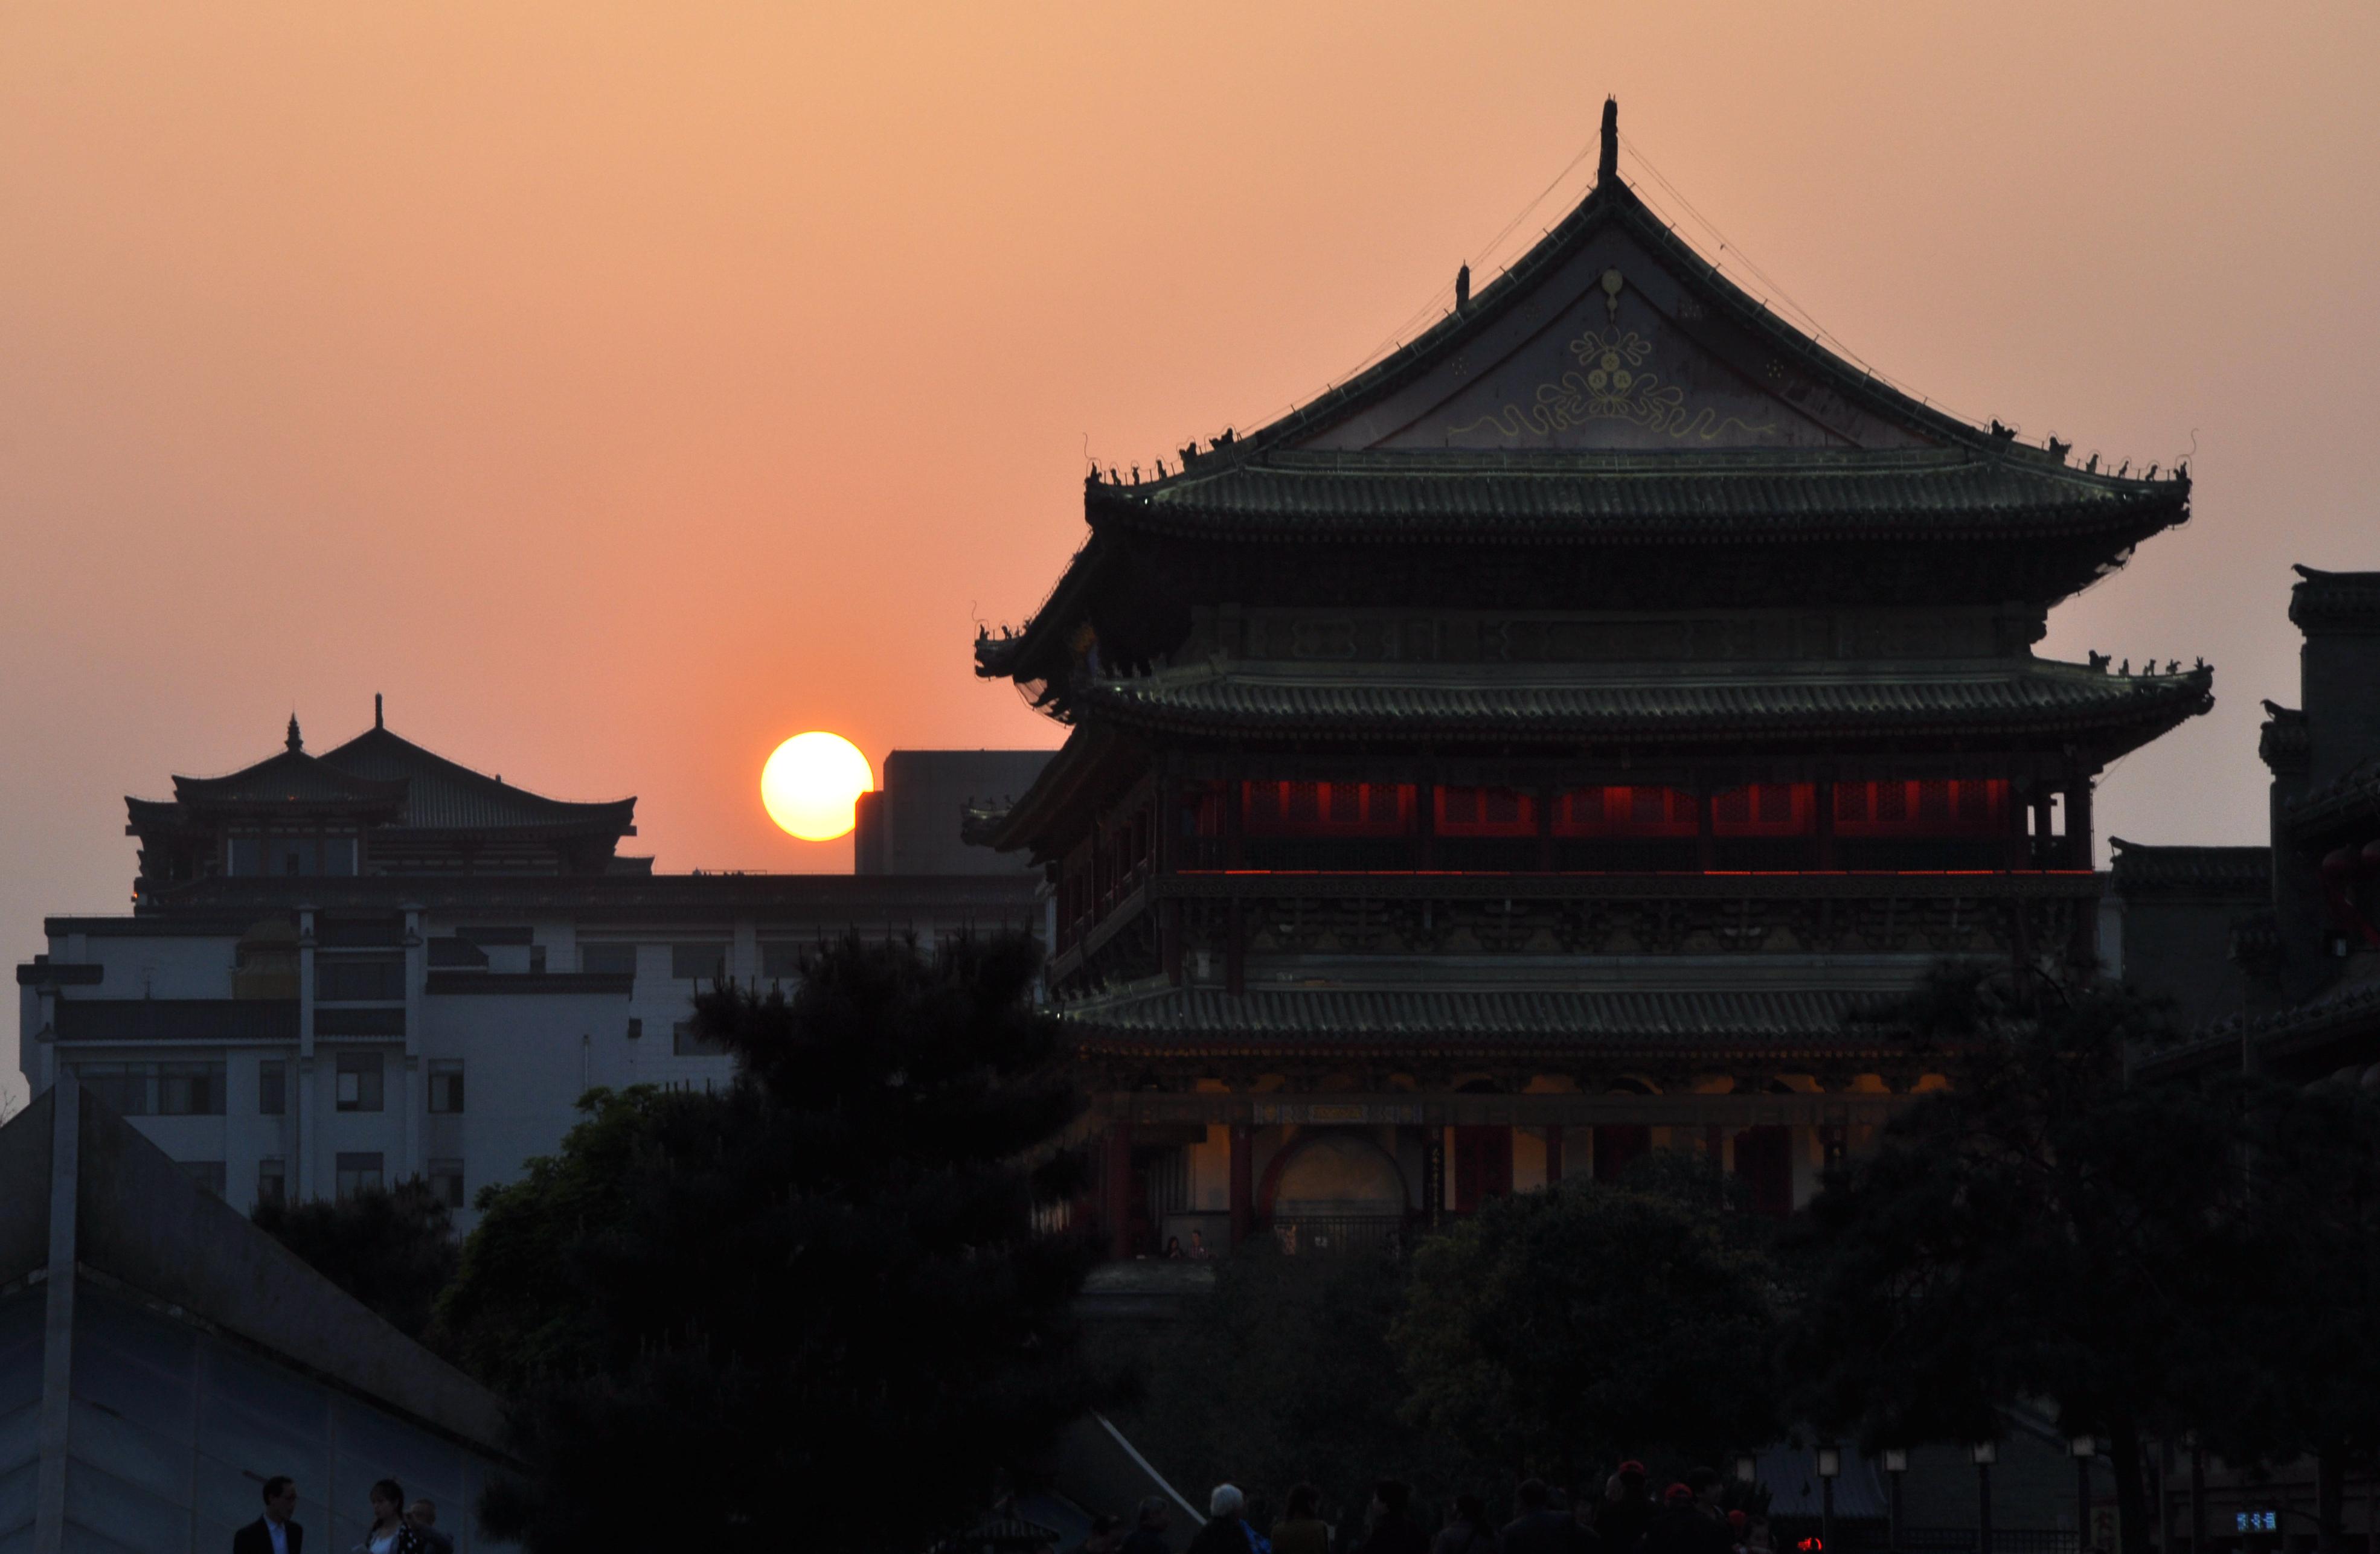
1561, 1331
2043, 1229
718, 1311
392, 1249
1285, 1374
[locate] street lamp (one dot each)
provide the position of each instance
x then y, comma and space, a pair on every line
1985, 1453
1830, 1463
1896, 1463
2083, 1449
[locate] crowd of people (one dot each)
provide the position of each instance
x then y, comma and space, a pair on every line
395, 1527
1623, 1517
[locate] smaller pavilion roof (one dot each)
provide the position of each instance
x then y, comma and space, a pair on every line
383, 779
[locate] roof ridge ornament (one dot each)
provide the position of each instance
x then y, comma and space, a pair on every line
297, 742
1609, 166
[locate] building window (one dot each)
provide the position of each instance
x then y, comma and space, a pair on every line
687, 1043
339, 855
271, 1181
446, 1182
616, 960
359, 978
447, 1084
190, 1089
240, 855
273, 1088
360, 1083
126, 1090
207, 1176
537, 960
781, 962
636, 1030
691, 962
358, 1173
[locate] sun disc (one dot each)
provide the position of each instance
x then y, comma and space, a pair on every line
811, 784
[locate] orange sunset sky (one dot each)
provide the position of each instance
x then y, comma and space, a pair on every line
623, 388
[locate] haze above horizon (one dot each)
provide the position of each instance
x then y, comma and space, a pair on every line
622, 390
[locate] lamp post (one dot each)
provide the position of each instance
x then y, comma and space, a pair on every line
1985, 1452
1896, 1463
2197, 1493
1830, 1463
2083, 1449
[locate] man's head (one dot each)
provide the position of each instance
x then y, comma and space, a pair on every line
281, 1496
1706, 1485
1227, 1504
424, 1514
1154, 1512
1533, 1494
1676, 1495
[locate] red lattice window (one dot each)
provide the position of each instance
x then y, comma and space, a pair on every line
1927, 806
1486, 812
1327, 808
1626, 811
1764, 809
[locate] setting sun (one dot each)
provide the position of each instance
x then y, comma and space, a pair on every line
812, 782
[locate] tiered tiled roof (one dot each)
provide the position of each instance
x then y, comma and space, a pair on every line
386, 781
440, 794
1944, 494
2352, 802
1507, 702
1613, 389
2348, 1010
1487, 1021
2141, 870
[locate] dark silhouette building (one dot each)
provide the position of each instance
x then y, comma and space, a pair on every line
1530, 751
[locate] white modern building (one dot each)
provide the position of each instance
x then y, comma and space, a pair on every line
375, 964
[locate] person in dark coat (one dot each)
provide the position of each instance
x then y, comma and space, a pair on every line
273, 1533
424, 1514
1541, 1529
1467, 1531
1147, 1535
1620, 1519
1393, 1529
1227, 1530
1681, 1527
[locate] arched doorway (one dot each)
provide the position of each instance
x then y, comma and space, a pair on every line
1335, 1190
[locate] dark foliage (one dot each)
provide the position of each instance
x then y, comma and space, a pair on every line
723, 1315
1561, 1331
2042, 1229
1285, 1374
392, 1249
2299, 1372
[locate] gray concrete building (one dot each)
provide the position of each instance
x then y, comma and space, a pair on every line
160, 1358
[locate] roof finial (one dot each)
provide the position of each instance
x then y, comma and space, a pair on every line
297, 742
376, 721
1609, 166
1463, 288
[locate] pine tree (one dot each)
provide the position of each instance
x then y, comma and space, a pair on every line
722, 1316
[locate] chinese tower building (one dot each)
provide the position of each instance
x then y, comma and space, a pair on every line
1525, 754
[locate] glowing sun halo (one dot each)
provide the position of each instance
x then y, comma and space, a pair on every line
812, 782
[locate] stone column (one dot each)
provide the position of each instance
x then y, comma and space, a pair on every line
1119, 1192
1243, 1200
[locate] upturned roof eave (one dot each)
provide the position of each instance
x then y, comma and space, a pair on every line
2151, 707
